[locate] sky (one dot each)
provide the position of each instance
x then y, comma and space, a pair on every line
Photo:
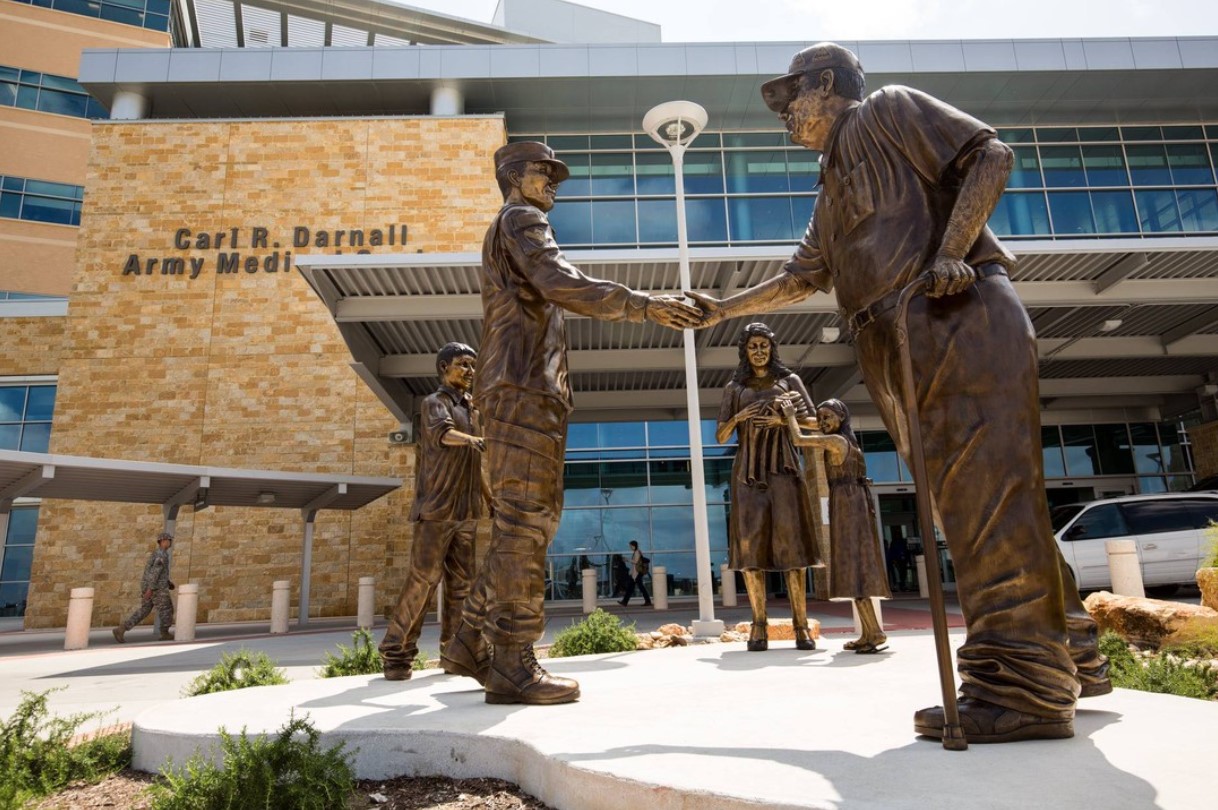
798, 20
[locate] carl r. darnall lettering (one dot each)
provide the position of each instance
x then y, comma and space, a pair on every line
230, 243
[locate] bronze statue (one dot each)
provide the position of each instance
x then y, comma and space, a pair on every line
525, 398
856, 561
772, 526
449, 496
908, 184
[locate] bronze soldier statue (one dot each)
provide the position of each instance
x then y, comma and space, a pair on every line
908, 183
773, 527
449, 496
525, 398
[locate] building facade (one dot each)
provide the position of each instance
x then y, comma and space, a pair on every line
190, 334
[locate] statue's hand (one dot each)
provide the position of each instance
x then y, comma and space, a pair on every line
949, 276
478, 443
711, 309
670, 311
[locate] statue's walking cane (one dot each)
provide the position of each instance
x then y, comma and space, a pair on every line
953, 734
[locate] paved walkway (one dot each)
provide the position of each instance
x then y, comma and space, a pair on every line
706, 726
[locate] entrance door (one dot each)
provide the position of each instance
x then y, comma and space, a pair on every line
897, 508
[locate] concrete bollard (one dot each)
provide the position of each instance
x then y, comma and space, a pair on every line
659, 587
588, 579
367, 590
879, 615
281, 593
923, 587
727, 585
1124, 567
80, 618
188, 612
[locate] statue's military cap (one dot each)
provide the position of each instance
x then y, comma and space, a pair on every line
530, 151
779, 91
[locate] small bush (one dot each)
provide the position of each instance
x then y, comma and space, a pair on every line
420, 661
601, 632
286, 772
1164, 674
37, 759
1210, 560
237, 670
361, 658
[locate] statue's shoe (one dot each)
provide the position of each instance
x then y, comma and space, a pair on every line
984, 722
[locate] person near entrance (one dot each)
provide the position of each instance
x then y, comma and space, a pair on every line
907, 185
155, 586
772, 525
856, 564
639, 566
898, 558
525, 397
450, 493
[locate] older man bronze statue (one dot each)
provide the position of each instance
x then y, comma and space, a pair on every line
907, 184
525, 398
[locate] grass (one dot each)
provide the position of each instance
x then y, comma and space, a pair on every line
38, 755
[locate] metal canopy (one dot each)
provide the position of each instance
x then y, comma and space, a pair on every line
79, 478
1122, 323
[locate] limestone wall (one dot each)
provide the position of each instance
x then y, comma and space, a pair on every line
235, 362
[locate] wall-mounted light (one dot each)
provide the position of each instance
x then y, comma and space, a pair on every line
266, 498
1111, 325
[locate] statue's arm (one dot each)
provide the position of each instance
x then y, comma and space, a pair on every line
986, 170
835, 447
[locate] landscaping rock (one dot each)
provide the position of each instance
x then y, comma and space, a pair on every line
1144, 622
1207, 581
780, 629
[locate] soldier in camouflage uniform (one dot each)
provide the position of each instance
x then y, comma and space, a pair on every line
154, 592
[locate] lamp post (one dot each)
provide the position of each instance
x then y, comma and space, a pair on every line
674, 125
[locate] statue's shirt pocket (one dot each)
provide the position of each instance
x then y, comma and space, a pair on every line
856, 198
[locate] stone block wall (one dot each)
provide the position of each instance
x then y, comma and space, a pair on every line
1204, 439
236, 363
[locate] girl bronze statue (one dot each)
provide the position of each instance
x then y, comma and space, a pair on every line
856, 561
771, 526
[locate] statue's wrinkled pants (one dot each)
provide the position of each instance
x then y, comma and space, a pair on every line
525, 445
975, 370
441, 548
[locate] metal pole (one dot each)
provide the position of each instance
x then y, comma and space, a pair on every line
706, 625
306, 566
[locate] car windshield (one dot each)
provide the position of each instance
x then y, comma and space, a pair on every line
1063, 515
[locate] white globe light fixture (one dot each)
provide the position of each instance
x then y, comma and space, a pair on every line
674, 125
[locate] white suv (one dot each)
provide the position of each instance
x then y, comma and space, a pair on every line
1169, 531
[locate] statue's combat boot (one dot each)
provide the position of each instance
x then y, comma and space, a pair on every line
516, 677
466, 654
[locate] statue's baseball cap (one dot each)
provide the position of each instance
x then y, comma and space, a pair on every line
779, 91
530, 151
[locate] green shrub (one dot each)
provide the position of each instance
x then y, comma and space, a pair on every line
601, 632
420, 661
361, 658
237, 671
1161, 673
286, 772
1210, 560
37, 760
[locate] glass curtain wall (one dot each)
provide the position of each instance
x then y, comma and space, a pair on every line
749, 188
631, 481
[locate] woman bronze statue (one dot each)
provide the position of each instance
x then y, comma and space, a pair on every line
772, 526
856, 561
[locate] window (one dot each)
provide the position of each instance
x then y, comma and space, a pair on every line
150, 14
47, 92
25, 417
16, 558
40, 201
1154, 517
1095, 524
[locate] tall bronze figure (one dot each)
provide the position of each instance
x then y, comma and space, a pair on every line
772, 525
856, 559
449, 498
525, 398
908, 183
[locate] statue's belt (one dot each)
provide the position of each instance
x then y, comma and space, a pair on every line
860, 320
